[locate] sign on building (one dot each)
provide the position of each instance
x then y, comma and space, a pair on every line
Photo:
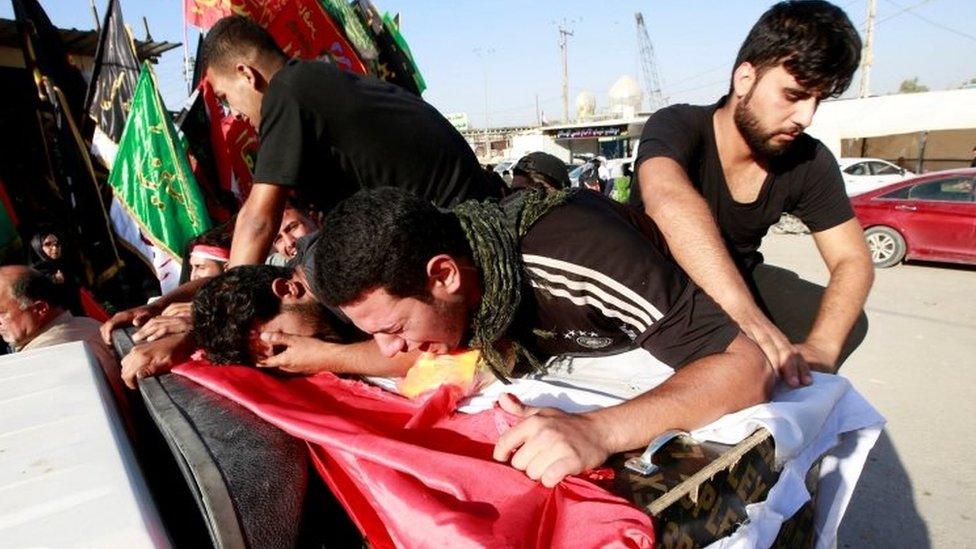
459, 120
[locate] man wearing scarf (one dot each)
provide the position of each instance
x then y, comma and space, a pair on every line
523, 281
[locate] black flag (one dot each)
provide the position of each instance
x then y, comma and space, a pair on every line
45, 56
61, 97
113, 82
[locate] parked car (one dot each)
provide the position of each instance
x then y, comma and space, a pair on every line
866, 174
931, 217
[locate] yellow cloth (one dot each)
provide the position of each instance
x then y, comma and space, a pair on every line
431, 371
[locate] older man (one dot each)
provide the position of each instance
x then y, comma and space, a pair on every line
33, 315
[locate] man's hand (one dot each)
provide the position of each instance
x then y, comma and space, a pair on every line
549, 444
183, 308
817, 357
154, 358
787, 360
162, 326
136, 316
295, 354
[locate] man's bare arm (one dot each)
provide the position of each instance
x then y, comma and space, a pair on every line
307, 355
684, 218
257, 223
550, 444
846, 255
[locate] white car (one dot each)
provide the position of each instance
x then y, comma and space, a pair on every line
866, 174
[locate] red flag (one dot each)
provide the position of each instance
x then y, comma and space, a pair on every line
303, 29
415, 474
242, 146
204, 13
235, 145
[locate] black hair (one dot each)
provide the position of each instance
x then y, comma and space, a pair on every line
33, 286
227, 306
382, 238
234, 36
813, 39
220, 237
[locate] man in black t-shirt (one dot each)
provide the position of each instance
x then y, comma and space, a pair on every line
715, 178
522, 282
326, 134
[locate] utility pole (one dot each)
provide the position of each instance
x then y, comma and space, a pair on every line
187, 66
866, 55
487, 109
563, 33
484, 54
538, 113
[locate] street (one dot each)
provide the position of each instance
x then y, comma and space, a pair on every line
917, 366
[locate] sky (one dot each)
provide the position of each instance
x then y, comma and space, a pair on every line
491, 59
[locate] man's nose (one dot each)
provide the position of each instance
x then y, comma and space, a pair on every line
803, 115
390, 345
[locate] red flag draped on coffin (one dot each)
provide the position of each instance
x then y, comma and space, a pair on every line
416, 474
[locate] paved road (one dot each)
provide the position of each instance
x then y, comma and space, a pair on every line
918, 367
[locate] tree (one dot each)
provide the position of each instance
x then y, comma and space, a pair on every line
912, 86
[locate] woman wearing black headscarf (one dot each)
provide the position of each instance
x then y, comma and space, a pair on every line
47, 257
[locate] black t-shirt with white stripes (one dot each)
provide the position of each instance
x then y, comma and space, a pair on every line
599, 279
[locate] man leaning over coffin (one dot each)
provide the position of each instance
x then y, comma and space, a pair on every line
521, 281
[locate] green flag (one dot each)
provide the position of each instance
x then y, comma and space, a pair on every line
158, 206
401, 43
345, 18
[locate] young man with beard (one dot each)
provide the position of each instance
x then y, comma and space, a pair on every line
524, 281
715, 178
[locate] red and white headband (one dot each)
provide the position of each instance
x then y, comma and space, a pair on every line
213, 253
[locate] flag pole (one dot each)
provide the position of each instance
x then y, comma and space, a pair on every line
80, 143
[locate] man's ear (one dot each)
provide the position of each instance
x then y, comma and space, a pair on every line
443, 276
743, 79
253, 76
42, 308
287, 289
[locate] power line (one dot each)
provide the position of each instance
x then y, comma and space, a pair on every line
910, 11
709, 84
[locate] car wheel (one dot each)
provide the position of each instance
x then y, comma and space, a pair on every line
887, 246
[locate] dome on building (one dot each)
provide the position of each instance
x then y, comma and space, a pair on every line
585, 105
625, 96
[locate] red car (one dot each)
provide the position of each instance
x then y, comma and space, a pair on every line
931, 217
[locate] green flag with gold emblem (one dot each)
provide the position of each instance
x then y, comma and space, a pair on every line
157, 206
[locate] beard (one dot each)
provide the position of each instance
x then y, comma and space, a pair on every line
759, 139
454, 320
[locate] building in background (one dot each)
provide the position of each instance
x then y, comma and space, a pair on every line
613, 132
927, 131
